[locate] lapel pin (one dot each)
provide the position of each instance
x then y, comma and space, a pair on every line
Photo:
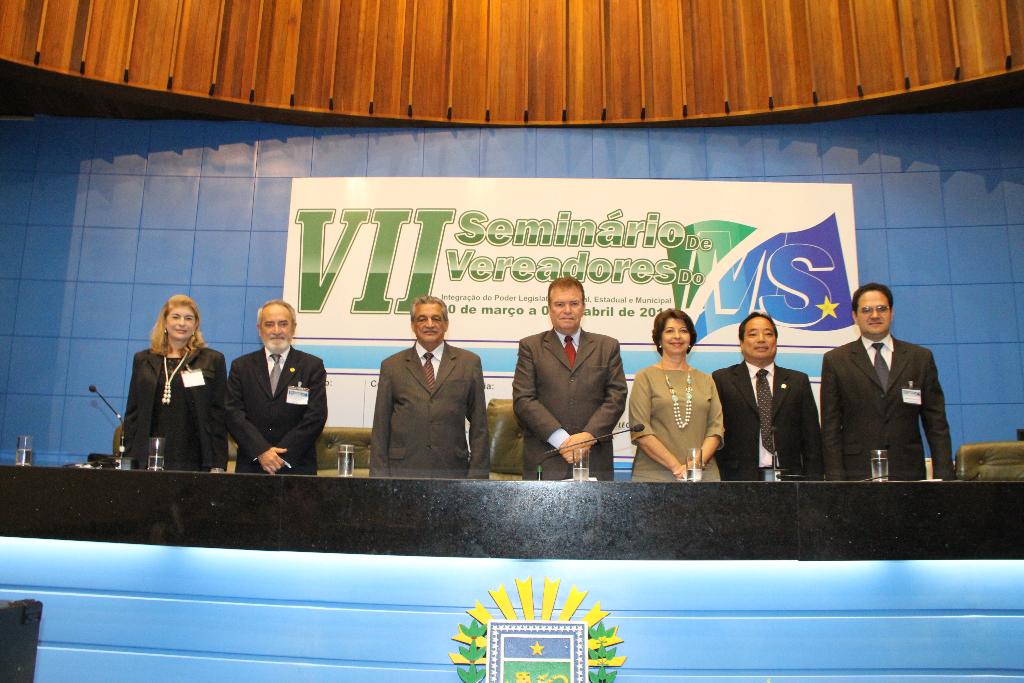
291, 369
782, 386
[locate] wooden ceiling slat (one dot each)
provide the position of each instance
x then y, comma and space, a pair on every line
509, 62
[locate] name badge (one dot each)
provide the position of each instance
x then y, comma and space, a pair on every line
298, 396
912, 396
193, 378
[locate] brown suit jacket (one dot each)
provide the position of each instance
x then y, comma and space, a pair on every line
547, 395
421, 432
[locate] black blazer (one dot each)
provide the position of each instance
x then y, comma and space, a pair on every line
794, 415
258, 420
207, 403
419, 432
857, 415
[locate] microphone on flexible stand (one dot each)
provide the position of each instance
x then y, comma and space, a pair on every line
775, 473
639, 427
121, 464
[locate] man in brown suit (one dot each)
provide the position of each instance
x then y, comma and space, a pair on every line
569, 387
424, 397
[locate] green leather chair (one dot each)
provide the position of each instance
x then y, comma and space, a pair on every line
327, 449
506, 440
990, 461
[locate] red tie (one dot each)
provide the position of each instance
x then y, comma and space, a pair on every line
570, 351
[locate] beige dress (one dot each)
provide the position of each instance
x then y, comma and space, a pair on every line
651, 403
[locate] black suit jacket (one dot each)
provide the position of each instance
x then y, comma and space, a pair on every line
547, 395
258, 419
207, 403
794, 415
421, 432
857, 415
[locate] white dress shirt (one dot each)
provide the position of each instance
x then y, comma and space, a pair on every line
435, 361
886, 349
270, 361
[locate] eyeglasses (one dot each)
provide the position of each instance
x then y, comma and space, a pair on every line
881, 308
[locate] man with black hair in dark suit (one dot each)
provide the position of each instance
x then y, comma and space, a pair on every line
877, 393
768, 409
277, 399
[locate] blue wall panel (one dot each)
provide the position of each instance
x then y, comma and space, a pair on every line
138, 612
98, 215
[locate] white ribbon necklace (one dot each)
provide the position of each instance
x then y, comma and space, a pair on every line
168, 377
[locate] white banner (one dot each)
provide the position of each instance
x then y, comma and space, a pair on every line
361, 249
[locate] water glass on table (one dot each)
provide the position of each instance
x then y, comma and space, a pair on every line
694, 464
157, 445
23, 452
880, 465
581, 465
346, 459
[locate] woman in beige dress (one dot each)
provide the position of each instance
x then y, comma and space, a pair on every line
677, 405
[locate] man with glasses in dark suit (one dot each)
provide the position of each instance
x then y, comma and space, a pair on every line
876, 393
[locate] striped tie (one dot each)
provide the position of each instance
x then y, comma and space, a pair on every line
428, 369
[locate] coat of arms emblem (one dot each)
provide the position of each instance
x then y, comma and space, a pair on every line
529, 647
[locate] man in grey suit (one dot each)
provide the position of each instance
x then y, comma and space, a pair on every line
877, 392
569, 388
424, 397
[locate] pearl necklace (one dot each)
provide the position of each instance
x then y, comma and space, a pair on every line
166, 400
688, 408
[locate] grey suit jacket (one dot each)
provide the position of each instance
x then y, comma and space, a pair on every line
858, 415
547, 395
794, 416
421, 432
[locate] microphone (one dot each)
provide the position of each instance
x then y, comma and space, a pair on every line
120, 418
638, 427
776, 462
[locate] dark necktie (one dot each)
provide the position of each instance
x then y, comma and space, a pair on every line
275, 373
428, 369
764, 410
881, 369
570, 351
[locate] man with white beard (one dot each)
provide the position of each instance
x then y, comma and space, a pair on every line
277, 399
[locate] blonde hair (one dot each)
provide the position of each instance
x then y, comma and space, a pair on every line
158, 337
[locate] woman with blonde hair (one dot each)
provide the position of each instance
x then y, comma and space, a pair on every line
177, 392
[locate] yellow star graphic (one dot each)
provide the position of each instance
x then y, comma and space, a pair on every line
537, 648
828, 308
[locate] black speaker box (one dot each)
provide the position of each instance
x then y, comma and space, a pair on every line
19, 638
